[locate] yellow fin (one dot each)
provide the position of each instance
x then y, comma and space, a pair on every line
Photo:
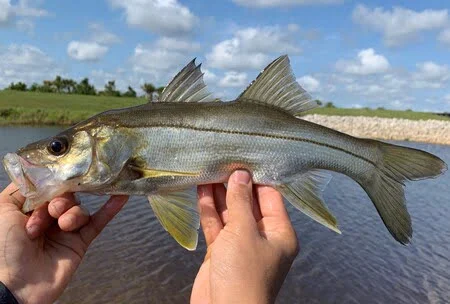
305, 194
178, 214
151, 173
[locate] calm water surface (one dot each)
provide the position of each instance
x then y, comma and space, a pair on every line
135, 260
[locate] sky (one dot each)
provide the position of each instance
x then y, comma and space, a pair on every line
391, 54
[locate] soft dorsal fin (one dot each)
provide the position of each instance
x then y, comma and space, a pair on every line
187, 86
277, 86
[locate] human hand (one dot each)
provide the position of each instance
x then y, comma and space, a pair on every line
251, 243
40, 253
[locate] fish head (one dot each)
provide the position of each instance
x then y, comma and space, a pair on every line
50, 167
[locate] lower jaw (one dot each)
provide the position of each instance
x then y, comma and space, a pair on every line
14, 168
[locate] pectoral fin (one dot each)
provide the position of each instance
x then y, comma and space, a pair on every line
177, 212
306, 195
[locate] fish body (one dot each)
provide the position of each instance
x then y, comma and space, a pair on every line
164, 149
207, 141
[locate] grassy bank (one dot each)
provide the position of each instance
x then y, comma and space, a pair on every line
23, 108
55, 109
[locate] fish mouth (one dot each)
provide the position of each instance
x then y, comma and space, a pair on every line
16, 167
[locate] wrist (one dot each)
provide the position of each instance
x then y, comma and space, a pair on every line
6, 295
12, 287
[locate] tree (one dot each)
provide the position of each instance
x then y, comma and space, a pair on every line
46, 87
110, 89
319, 103
58, 84
34, 87
20, 86
149, 89
85, 88
330, 105
130, 92
69, 85
160, 90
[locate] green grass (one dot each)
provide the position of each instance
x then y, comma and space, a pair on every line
55, 109
25, 108
411, 115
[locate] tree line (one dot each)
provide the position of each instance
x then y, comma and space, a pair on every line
84, 87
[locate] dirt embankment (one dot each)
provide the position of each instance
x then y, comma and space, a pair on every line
430, 131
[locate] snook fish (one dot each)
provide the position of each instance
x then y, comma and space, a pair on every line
164, 149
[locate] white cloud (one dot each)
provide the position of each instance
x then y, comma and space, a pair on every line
444, 36
177, 44
309, 83
283, 3
250, 47
86, 51
368, 62
159, 62
25, 25
430, 75
399, 25
150, 59
22, 12
100, 35
233, 80
25, 63
166, 17
5, 11
209, 76
25, 9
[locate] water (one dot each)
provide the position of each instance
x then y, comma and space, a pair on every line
135, 261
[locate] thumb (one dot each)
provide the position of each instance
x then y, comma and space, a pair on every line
240, 200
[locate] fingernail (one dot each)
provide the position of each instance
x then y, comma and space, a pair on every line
57, 207
241, 177
33, 231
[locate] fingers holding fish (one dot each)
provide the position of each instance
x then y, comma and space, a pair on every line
39, 221
240, 202
73, 219
256, 208
102, 217
275, 224
12, 196
220, 194
59, 205
271, 202
209, 216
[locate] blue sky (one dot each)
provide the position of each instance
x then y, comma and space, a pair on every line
354, 53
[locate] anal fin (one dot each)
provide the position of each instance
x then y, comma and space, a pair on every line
306, 195
178, 214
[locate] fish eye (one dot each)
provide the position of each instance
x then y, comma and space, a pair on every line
58, 146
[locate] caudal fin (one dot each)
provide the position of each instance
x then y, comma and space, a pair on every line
386, 185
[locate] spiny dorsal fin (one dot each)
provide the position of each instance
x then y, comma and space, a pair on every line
305, 194
177, 212
276, 86
187, 86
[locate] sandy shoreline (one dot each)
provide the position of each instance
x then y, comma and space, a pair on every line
430, 131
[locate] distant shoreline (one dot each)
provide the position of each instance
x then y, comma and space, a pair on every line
427, 131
